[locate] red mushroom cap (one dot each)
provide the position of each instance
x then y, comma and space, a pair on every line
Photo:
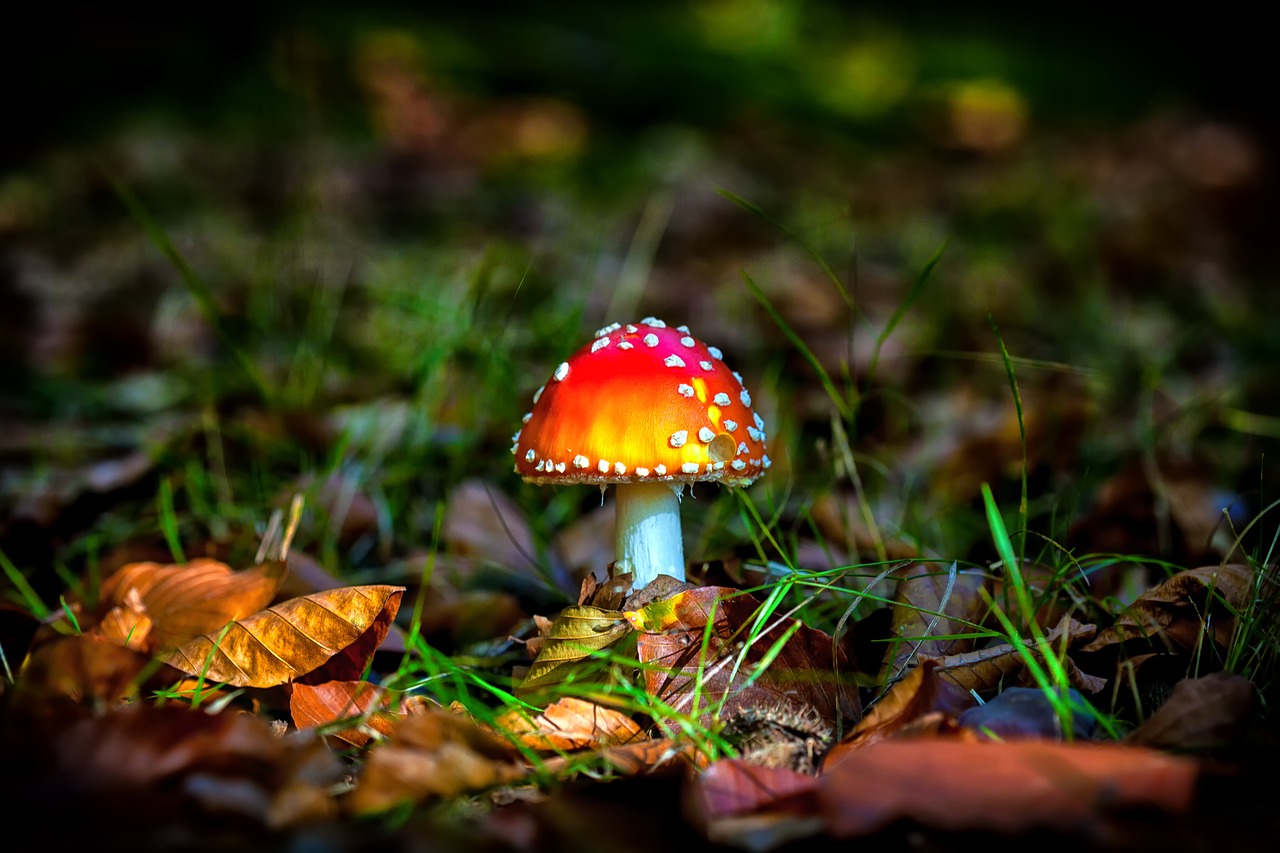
642, 403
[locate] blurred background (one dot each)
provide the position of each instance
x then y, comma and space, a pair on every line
248, 251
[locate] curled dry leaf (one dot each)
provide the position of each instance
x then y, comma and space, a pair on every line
568, 724
186, 600
370, 705
1179, 611
986, 669
1004, 787
807, 671
85, 669
733, 787
1210, 712
295, 638
576, 633
922, 691
429, 756
638, 757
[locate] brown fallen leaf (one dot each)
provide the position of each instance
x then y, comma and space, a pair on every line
1206, 713
567, 724
295, 639
1178, 612
732, 787
186, 600
1003, 787
933, 602
640, 757
377, 708
986, 669
807, 672
430, 756
922, 691
177, 774
85, 669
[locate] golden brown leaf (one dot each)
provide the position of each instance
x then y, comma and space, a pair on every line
569, 723
186, 600
294, 638
429, 756
576, 633
1176, 612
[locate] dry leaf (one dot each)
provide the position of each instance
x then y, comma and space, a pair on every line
576, 633
986, 669
921, 692
807, 672
432, 755
1201, 713
733, 787
313, 705
294, 638
1004, 787
186, 600
1177, 612
933, 602
569, 723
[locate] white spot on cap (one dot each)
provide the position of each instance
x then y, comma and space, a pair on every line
689, 468
715, 353
515, 438
528, 416
599, 344
632, 329
641, 472
562, 371
711, 466
537, 395
612, 327
759, 421
684, 390
660, 470
742, 447
673, 361
755, 434
738, 464
737, 376
684, 329
581, 461
603, 467
654, 322
705, 435
650, 340
721, 399
678, 438
625, 345
619, 468
541, 462
688, 341
745, 398
730, 425
706, 365
560, 467
719, 466
530, 456
767, 461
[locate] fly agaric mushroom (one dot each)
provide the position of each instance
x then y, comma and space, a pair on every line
648, 408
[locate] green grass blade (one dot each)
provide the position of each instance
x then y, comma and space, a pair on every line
37, 607
1022, 433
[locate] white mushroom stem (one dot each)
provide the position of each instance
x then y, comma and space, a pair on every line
648, 532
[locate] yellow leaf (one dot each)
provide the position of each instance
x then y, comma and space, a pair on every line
576, 633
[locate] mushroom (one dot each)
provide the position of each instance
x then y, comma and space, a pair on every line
648, 408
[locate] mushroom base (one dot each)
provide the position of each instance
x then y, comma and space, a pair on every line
649, 541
